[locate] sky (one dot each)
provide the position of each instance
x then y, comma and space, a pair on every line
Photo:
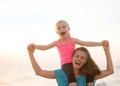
33, 21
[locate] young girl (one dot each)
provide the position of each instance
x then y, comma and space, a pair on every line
66, 46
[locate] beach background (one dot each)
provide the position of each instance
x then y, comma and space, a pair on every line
33, 21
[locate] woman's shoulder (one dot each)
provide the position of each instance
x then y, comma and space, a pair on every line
62, 80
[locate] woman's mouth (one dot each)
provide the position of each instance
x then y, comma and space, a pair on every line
77, 62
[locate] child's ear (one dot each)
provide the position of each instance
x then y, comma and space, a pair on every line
69, 28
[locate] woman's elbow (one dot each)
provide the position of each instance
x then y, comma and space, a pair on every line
111, 71
37, 73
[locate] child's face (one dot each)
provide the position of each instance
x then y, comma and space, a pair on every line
62, 29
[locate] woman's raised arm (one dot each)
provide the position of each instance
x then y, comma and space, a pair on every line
109, 65
36, 67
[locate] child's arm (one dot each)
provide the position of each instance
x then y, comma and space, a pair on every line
36, 67
45, 47
109, 69
86, 43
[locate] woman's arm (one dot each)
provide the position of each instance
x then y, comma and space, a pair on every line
109, 69
36, 67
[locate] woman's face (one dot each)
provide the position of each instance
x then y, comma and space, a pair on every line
79, 59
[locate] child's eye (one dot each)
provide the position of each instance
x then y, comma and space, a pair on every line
58, 28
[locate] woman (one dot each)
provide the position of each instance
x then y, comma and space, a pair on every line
66, 43
81, 58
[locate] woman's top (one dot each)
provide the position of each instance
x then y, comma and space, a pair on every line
62, 80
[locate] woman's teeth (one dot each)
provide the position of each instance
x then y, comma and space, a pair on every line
76, 62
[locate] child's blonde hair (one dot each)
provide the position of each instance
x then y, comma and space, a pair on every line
61, 21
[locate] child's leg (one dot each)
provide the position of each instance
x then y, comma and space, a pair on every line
68, 69
73, 84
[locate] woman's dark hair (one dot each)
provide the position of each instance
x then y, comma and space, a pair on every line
90, 67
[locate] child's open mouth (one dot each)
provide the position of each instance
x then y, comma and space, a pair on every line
63, 33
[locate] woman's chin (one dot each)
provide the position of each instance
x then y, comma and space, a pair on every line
76, 67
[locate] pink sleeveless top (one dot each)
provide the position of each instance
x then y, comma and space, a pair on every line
65, 51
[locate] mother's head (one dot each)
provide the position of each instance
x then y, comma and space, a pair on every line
83, 62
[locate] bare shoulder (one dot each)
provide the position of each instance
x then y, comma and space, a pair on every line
54, 43
76, 40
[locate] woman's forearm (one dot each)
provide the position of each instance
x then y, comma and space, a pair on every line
109, 65
35, 65
109, 62
38, 70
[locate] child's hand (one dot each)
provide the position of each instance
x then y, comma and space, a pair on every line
105, 44
31, 48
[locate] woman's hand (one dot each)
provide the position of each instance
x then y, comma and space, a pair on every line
31, 48
105, 45
109, 65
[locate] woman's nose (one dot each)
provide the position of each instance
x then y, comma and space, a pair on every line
79, 58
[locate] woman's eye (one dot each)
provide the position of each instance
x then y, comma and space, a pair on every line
82, 57
77, 56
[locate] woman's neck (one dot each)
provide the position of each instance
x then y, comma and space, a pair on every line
77, 72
